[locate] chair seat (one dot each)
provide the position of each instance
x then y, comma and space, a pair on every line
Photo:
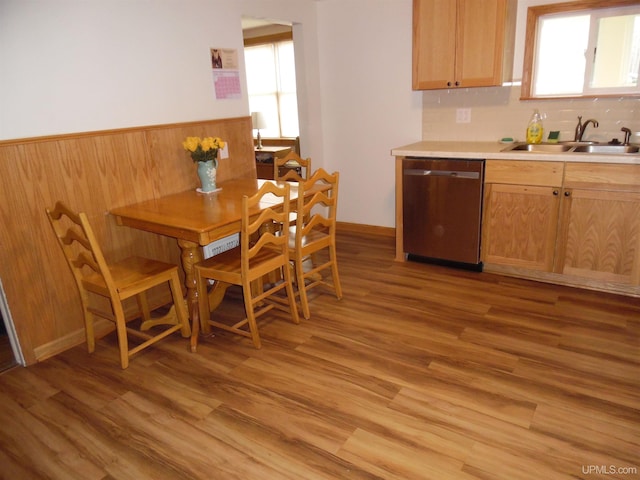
314, 237
227, 266
131, 276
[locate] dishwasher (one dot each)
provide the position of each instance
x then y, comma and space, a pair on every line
442, 210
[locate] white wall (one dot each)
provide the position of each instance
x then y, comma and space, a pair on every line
73, 66
368, 106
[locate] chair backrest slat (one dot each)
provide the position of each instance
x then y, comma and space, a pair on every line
320, 209
291, 175
73, 236
80, 247
84, 260
253, 237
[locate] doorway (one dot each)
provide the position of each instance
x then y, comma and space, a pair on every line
9, 349
7, 358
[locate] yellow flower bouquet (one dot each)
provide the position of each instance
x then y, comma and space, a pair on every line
203, 149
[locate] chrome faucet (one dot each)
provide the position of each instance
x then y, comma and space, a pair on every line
627, 135
581, 127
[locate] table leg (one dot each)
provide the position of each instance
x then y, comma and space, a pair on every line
191, 254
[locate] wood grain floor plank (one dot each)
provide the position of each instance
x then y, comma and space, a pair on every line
23, 432
289, 411
507, 409
26, 387
537, 390
13, 467
395, 460
492, 463
581, 381
62, 414
623, 348
342, 402
490, 431
284, 456
557, 357
152, 432
602, 433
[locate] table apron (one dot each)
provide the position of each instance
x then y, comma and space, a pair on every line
201, 238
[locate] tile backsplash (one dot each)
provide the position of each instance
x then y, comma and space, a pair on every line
498, 112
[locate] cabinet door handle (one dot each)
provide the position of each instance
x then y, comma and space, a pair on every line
556, 192
567, 193
448, 84
457, 84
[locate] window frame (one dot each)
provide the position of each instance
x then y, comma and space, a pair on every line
271, 39
533, 15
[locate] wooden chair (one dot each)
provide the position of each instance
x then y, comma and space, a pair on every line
260, 253
291, 174
131, 277
317, 233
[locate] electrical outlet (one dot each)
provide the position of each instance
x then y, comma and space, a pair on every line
224, 152
463, 115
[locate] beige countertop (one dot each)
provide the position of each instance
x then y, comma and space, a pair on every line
493, 150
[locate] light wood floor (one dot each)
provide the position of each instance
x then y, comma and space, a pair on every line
420, 372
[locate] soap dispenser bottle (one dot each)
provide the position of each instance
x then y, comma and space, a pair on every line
534, 129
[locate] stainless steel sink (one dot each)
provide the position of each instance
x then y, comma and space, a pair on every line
607, 149
573, 147
539, 147
575, 143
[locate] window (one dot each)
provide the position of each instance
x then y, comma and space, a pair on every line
271, 83
582, 52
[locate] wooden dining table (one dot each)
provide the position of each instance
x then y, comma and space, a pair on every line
196, 219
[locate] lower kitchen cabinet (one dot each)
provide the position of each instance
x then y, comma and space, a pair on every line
599, 228
571, 223
521, 206
520, 225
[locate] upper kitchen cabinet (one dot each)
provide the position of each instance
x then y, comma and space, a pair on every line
462, 43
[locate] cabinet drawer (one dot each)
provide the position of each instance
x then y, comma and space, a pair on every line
524, 172
602, 176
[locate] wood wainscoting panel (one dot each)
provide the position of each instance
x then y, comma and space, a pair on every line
92, 172
166, 146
